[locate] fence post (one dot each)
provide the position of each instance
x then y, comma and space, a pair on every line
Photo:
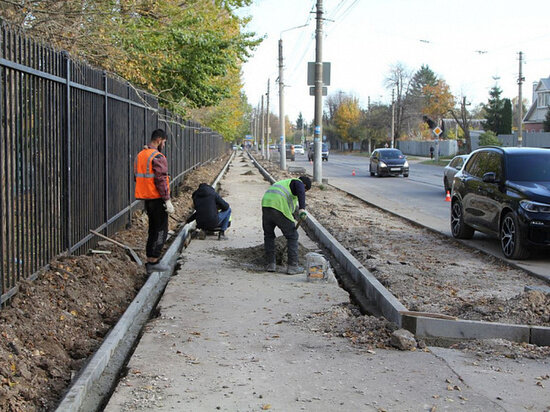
106, 150
131, 168
67, 191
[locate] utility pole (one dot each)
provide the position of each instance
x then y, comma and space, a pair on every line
282, 139
318, 135
392, 118
520, 103
268, 132
263, 127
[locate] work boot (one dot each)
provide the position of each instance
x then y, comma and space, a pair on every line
156, 267
271, 267
221, 235
201, 234
294, 270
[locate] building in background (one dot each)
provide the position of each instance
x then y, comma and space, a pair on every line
532, 122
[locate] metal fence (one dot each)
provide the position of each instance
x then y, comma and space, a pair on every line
68, 138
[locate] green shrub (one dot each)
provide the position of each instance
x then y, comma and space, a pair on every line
489, 138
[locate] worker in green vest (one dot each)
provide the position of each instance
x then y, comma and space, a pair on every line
279, 203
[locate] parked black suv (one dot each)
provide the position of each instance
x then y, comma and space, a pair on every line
504, 192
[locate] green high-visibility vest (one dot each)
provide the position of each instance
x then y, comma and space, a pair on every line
280, 197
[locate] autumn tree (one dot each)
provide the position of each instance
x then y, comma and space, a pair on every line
422, 77
438, 101
188, 53
347, 120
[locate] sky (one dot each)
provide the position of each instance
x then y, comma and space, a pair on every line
470, 44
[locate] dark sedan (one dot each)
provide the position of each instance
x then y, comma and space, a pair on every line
388, 162
504, 191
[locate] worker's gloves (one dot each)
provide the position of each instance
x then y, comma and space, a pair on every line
169, 206
302, 214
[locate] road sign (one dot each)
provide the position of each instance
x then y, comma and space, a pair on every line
312, 91
437, 131
311, 74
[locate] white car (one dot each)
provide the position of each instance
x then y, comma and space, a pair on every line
299, 149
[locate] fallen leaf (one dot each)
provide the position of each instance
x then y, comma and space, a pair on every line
266, 407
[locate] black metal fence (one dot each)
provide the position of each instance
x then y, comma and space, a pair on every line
68, 138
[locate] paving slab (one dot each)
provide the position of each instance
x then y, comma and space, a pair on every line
232, 339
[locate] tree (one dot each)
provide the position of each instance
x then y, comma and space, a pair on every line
506, 125
464, 120
347, 119
493, 110
399, 80
489, 138
546, 123
416, 97
377, 121
438, 100
188, 53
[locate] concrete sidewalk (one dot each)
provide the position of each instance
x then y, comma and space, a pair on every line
236, 340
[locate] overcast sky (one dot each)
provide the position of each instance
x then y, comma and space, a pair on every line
468, 43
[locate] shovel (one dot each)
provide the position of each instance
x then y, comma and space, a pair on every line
130, 251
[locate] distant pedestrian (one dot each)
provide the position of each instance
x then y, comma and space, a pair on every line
153, 186
279, 203
432, 152
211, 211
386, 145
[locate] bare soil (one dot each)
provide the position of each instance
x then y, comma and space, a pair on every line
56, 322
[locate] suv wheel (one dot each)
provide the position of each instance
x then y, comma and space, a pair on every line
459, 229
510, 240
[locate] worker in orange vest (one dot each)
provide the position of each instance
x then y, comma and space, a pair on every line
153, 186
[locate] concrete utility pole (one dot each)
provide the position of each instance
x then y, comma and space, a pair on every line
263, 127
520, 103
318, 135
392, 118
282, 139
268, 132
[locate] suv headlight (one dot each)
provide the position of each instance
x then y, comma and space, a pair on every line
382, 164
536, 207
406, 164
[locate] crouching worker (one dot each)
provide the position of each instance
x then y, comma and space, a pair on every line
211, 211
153, 186
278, 205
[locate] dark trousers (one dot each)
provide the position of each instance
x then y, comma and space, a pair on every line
272, 218
158, 227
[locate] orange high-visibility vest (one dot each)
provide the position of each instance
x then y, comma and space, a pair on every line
145, 176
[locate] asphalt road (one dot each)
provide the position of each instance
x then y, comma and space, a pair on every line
420, 198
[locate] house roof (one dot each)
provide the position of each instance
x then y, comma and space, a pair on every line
535, 114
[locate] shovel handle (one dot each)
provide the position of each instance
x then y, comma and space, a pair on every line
109, 239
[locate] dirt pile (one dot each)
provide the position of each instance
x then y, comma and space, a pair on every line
253, 258
56, 322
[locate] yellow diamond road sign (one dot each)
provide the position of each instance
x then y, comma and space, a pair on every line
437, 131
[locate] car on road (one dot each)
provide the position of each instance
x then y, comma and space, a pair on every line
505, 192
388, 162
290, 153
324, 152
299, 149
449, 171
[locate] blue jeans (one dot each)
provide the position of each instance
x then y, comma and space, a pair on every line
223, 219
